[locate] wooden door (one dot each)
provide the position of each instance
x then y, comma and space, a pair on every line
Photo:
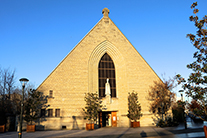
100, 119
113, 119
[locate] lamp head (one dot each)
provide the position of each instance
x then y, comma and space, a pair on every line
23, 81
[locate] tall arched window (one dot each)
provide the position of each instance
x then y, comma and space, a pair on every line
106, 69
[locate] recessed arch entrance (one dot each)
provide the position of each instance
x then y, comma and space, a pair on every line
107, 50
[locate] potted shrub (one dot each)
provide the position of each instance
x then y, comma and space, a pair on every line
2, 128
32, 107
92, 108
134, 109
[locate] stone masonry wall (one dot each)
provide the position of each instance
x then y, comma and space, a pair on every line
78, 74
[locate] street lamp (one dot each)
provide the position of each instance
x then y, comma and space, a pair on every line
184, 114
181, 97
23, 82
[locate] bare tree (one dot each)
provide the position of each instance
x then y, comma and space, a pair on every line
6, 88
7, 80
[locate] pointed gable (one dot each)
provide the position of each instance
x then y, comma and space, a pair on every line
78, 73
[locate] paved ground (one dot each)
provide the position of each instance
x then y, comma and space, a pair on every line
195, 130
151, 132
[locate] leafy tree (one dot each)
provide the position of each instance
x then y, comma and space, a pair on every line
195, 85
35, 101
134, 107
161, 97
196, 108
93, 106
194, 104
178, 110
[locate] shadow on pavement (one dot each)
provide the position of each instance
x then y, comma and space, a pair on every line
189, 130
123, 133
143, 134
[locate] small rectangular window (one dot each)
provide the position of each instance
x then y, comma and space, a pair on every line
57, 112
50, 112
42, 114
51, 93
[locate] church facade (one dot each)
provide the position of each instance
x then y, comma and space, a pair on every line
103, 53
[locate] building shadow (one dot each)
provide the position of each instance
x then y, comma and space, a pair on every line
155, 120
123, 133
75, 124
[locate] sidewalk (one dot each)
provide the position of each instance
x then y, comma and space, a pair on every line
151, 132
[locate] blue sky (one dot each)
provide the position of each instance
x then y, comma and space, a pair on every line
35, 35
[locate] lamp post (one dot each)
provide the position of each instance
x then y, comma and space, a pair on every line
181, 97
184, 114
23, 82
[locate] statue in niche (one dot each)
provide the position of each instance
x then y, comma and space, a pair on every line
107, 88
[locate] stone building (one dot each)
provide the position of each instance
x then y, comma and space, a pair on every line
103, 53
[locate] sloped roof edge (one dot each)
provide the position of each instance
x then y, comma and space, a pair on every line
83, 39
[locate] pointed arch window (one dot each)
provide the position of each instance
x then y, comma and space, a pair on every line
106, 69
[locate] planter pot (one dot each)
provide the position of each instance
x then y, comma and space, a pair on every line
30, 128
2, 128
135, 124
89, 126
205, 131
